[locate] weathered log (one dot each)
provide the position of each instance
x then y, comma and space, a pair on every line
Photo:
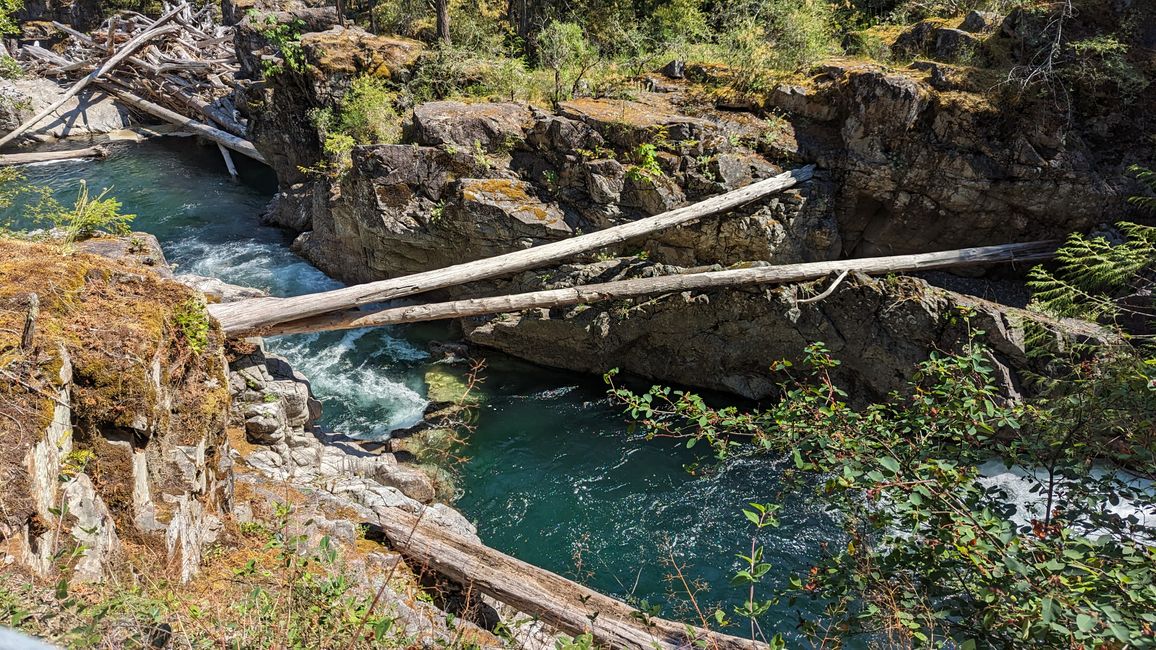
156, 29
228, 160
252, 315
240, 145
635, 288
561, 603
7, 160
46, 55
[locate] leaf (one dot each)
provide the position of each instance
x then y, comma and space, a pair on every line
1085, 623
889, 464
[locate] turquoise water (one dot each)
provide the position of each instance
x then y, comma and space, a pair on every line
553, 477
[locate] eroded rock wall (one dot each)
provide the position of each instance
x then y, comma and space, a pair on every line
910, 159
132, 445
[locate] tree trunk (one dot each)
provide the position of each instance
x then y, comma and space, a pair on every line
47, 156
443, 24
251, 316
543, 595
639, 287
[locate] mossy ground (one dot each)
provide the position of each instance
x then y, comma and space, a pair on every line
134, 371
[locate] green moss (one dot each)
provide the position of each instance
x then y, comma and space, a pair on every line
444, 386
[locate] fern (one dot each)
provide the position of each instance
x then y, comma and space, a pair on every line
1096, 277
1148, 178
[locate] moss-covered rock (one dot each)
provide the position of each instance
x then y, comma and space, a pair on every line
145, 401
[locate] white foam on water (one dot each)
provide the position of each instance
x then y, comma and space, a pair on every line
1017, 483
367, 402
351, 372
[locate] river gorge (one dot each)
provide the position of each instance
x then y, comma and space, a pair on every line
552, 476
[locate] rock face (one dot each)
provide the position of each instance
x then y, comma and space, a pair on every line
90, 112
134, 446
922, 170
274, 404
910, 160
281, 112
728, 339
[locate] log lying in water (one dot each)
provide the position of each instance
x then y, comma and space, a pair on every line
561, 603
48, 156
252, 316
665, 284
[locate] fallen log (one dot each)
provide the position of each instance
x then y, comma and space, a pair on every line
156, 29
10, 159
561, 603
246, 316
638, 287
240, 145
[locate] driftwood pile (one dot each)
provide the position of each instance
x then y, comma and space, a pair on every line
179, 67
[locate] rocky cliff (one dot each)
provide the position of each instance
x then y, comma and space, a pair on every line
115, 412
912, 158
143, 453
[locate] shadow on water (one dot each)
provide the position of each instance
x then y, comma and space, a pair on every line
553, 477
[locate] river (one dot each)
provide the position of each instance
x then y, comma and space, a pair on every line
552, 475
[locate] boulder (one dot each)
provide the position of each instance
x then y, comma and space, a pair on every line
981, 21
629, 123
490, 127
676, 69
507, 209
953, 44
929, 38
552, 134
605, 180
651, 193
91, 112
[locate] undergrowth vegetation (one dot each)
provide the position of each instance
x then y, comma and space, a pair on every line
43, 216
1053, 53
970, 518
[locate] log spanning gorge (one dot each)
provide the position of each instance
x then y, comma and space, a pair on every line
552, 477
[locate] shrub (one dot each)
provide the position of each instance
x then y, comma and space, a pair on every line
1099, 64
679, 21
192, 321
563, 48
285, 39
366, 113
8, 9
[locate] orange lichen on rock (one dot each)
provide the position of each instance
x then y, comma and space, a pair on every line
354, 51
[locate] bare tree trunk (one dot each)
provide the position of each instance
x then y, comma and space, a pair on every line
250, 316
47, 156
639, 287
443, 25
561, 603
